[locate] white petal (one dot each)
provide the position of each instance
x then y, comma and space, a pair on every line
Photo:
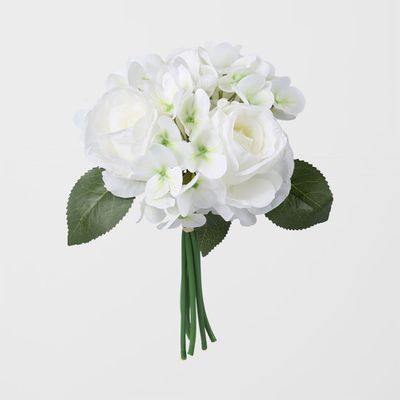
280, 177
208, 79
136, 75
184, 202
292, 99
201, 102
190, 161
162, 203
193, 221
245, 217
282, 115
224, 211
162, 157
153, 63
171, 224
223, 55
256, 192
204, 197
138, 209
156, 187
183, 152
263, 98
279, 83
186, 112
184, 78
154, 215
175, 180
225, 84
171, 219
169, 87
262, 67
250, 85
167, 124
122, 187
214, 166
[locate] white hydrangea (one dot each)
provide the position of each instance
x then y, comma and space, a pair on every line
195, 133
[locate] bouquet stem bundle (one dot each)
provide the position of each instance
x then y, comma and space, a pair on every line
191, 297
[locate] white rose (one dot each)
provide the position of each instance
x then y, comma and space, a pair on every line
118, 132
260, 161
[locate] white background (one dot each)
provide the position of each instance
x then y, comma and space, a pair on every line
310, 315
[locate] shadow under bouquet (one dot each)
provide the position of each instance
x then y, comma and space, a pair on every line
193, 141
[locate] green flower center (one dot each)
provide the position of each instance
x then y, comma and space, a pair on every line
202, 151
236, 77
168, 107
163, 138
190, 117
162, 173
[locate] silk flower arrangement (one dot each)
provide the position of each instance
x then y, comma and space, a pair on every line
193, 142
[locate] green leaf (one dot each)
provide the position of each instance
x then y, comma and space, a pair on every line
212, 233
92, 210
309, 201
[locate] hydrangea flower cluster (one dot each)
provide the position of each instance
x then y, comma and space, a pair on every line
195, 133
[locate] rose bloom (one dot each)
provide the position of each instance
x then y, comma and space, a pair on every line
118, 132
260, 161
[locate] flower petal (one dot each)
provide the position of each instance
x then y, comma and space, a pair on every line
201, 102
156, 187
245, 217
122, 187
161, 157
184, 202
263, 98
290, 100
256, 192
193, 221
154, 215
214, 166
136, 75
138, 209
168, 125
250, 85
162, 203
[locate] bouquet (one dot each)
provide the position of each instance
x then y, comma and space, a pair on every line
193, 142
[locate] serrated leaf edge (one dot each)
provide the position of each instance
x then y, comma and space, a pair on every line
303, 229
66, 214
229, 227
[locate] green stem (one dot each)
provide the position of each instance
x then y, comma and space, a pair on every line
187, 311
183, 303
199, 291
181, 130
232, 97
192, 293
200, 297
